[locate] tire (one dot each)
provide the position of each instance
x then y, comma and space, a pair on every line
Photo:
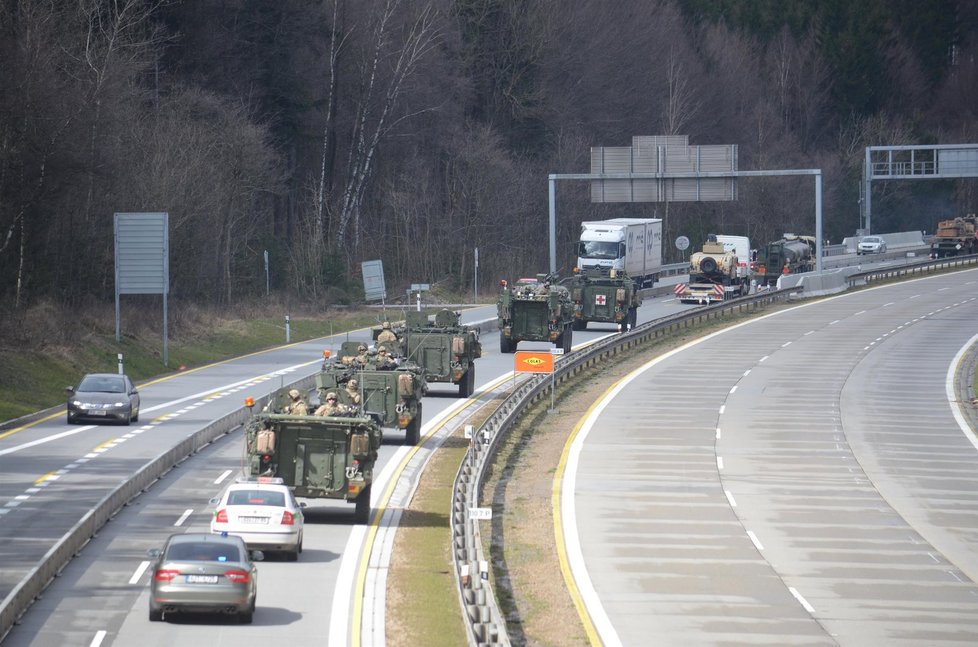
246, 617
568, 339
155, 616
71, 422
135, 418
578, 324
362, 512
466, 385
506, 345
293, 555
632, 318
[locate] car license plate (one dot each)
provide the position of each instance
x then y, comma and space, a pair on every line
253, 519
98, 412
202, 579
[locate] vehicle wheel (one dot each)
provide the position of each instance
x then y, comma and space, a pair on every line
466, 386
578, 324
362, 512
300, 543
71, 422
246, 617
568, 339
135, 418
506, 345
155, 616
293, 555
632, 318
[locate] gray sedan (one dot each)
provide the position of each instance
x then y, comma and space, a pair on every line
204, 573
103, 397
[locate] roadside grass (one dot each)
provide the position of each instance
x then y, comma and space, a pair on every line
35, 372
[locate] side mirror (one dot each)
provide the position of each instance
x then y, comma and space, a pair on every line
215, 500
257, 556
69, 389
154, 552
302, 504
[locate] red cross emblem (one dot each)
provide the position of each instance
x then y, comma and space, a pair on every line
599, 299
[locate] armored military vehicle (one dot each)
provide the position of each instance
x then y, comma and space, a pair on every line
445, 347
953, 237
535, 309
320, 457
606, 296
714, 275
789, 255
393, 394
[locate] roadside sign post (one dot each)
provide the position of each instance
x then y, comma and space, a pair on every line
419, 288
538, 361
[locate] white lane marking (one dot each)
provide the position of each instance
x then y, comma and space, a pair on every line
755, 540
955, 576
223, 476
719, 462
346, 573
859, 313
97, 640
718, 433
165, 405
139, 572
12, 504
832, 323
942, 289
931, 555
747, 372
762, 359
887, 304
915, 296
952, 398
183, 517
722, 408
809, 608
810, 332
33, 490
730, 498
786, 344
733, 388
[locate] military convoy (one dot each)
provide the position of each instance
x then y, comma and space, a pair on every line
445, 347
604, 296
392, 393
320, 457
535, 309
714, 275
956, 236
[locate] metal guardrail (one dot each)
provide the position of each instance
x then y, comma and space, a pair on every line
911, 269
485, 623
55, 560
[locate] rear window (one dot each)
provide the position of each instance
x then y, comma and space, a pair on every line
203, 552
256, 497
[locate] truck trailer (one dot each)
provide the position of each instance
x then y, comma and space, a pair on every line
630, 246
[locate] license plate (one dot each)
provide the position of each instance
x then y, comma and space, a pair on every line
97, 413
253, 519
202, 579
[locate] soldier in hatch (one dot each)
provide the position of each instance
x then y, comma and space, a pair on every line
384, 360
331, 407
353, 391
362, 358
296, 406
386, 335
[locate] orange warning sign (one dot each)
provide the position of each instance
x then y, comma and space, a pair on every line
529, 361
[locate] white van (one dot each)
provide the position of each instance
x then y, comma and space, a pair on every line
739, 245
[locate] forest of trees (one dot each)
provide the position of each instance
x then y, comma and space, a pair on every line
329, 132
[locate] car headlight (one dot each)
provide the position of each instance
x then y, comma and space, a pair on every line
116, 404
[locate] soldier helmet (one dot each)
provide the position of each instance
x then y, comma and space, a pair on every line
330, 396
387, 325
382, 349
294, 393
362, 347
352, 383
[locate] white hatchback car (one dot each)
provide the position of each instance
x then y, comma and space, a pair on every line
264, 513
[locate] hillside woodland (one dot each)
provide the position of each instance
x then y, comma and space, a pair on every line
329, 132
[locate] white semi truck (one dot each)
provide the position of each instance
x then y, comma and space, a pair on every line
630, 246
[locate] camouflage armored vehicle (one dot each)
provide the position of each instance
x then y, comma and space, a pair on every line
953, 237
714, 275
606, 296
535, 310
445, 347
319, 457
392, 394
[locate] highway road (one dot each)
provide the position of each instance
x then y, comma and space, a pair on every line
803, 478
50, 473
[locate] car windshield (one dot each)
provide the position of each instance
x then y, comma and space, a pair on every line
256, 497
596, 249
871, 239
203, 552
103, 384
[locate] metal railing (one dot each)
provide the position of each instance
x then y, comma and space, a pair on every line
911, 269
485, 623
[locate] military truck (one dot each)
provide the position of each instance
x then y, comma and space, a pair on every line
319, 457
392, 394
535, 309
792, 254
714, 275
956, 236
605, 296
445, 347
